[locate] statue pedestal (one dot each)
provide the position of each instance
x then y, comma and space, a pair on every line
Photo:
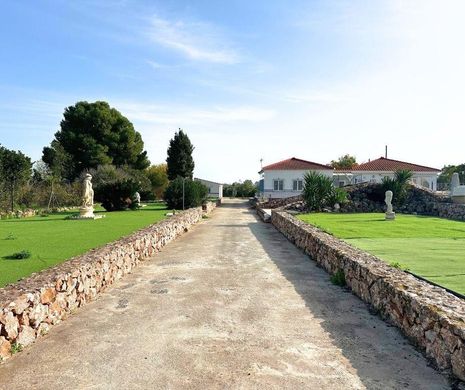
87, 213
390, 216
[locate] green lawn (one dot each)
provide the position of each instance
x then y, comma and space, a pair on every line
53, 239
430, 247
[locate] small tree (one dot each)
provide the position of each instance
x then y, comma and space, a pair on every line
195, 194
15, 170
157, 174
344, 162
180, 162
319, 192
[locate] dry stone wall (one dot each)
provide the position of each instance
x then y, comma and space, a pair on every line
30, 307
429, 316
279, 202
451, 211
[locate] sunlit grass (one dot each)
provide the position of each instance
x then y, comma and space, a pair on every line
433, 248
53, 239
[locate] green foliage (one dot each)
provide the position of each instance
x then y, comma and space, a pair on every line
245, 189
158, 176
10, 236
94, 134
396, 264
338, 278
15, 171
115, 187
24, 254
337, 195
319, 192
195, 193
15, 348
398, 185
445, 176
179, 161
344, 162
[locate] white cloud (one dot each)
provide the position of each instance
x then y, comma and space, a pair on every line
196, 41
187, 115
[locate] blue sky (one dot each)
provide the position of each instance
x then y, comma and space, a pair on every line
245, 79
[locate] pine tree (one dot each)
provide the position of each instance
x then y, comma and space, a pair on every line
179, 160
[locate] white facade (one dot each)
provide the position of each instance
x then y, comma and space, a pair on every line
424, 179
285, 183
214, 189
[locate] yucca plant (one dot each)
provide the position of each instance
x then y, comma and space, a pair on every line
319, 192
398, 185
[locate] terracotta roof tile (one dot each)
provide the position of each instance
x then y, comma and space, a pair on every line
386, 164
296, 164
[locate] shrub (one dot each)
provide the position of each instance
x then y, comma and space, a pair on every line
24, 254
319, 192
398, 186
115, 187
195, 193
396, 264
15, 348
338, 278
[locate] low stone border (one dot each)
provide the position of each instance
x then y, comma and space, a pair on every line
431, 318
451, 211
29, 307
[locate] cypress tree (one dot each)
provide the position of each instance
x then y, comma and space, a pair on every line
180, 162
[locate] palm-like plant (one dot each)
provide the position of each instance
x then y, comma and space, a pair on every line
398, 185
319, 192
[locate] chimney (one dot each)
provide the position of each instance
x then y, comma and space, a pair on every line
385, 152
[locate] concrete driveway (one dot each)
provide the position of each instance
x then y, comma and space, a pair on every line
229, 305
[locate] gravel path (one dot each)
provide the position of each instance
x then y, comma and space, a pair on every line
231, 304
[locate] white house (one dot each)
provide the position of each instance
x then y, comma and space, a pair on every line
286, 178
374, 171
214, 189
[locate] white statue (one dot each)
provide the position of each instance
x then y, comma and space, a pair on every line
87, 206
137, 198
388, 200
87, 191
454, 182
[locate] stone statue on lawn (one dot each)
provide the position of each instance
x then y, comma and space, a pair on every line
87, 191
390, 215
87, 206
137, 198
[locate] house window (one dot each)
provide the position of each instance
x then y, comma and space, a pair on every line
298, 185
278, 185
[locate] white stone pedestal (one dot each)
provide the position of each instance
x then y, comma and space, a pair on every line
390, 216
87, 213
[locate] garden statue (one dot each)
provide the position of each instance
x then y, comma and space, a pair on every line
87, 191
454, 182
87, 206
388, 199
137, 198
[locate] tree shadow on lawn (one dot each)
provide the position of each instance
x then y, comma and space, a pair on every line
381, 355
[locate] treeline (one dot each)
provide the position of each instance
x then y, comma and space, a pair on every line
97, 139
246, 189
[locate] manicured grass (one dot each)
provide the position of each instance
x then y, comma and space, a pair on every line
433, 248
53, 239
